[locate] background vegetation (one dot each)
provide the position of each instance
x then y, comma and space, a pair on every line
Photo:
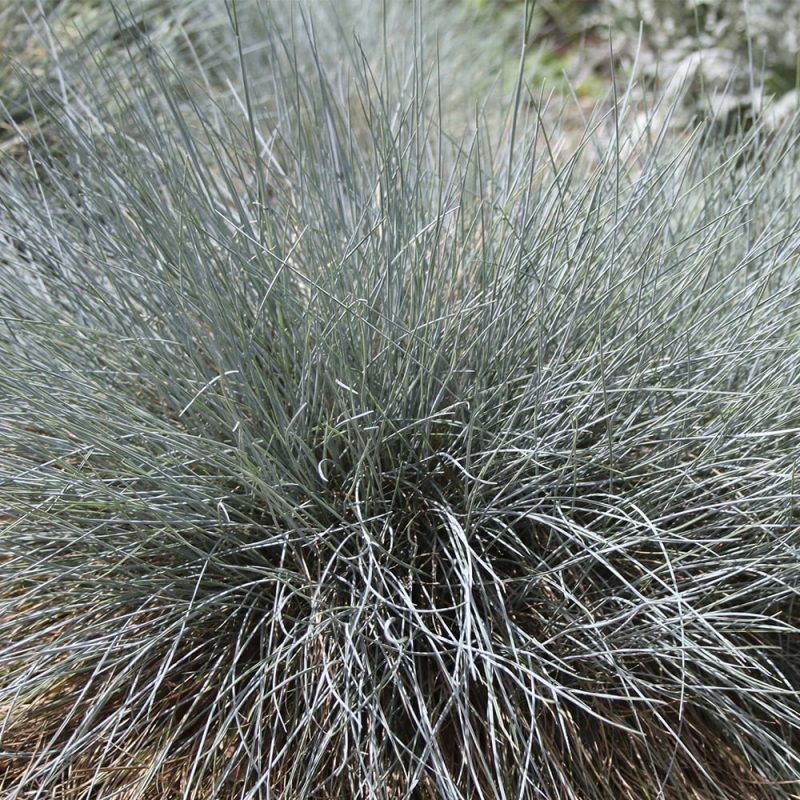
727, 58
723, 59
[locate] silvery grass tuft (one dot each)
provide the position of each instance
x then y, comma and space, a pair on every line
348, 456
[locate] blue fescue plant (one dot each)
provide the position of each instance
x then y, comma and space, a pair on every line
347, 455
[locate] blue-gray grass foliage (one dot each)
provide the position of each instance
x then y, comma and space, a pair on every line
345, 457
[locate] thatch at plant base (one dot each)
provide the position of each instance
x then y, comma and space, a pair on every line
343, 458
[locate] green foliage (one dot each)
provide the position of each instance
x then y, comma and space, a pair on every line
353, 451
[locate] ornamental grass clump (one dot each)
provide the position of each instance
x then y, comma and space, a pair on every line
348, 456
